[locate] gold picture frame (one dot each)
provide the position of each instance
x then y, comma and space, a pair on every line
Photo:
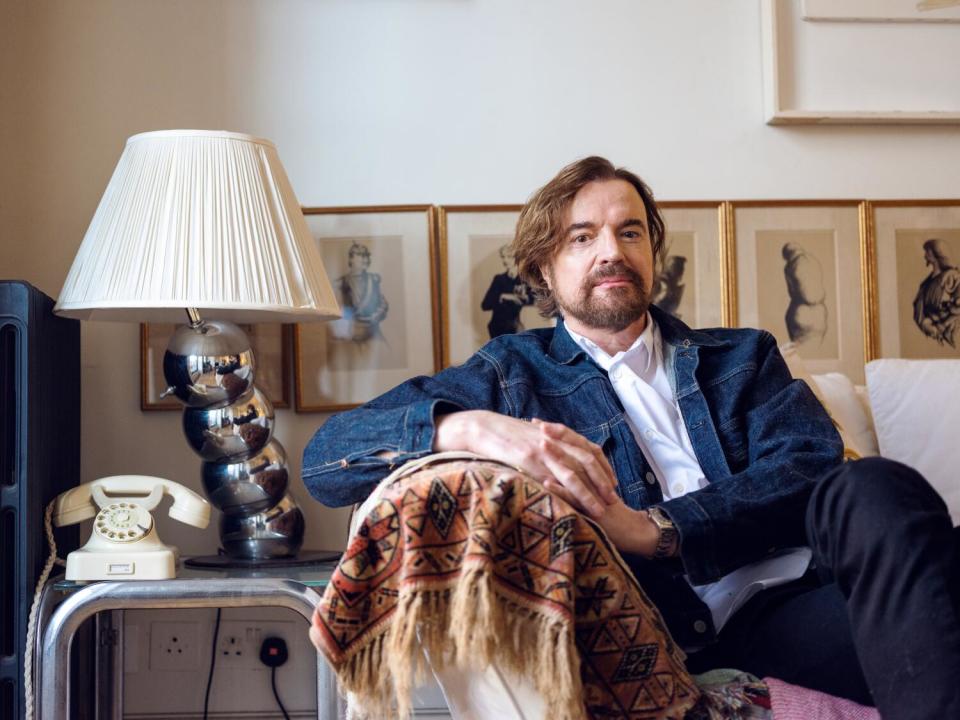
271, 347
382, 263
913, 247
693, 249
473, 258
796, 269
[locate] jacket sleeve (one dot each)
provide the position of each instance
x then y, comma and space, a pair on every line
342, 463
791, 442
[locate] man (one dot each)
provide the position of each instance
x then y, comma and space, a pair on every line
936, 308
698, 455
506, 297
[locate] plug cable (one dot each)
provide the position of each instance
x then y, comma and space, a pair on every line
213, 664
273, 654
273, 684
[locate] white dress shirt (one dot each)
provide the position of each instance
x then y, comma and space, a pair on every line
640, 381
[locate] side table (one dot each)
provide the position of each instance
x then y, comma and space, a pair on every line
192, 589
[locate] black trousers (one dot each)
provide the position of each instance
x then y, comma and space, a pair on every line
878, 621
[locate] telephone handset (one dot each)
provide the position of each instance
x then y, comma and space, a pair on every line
124, 543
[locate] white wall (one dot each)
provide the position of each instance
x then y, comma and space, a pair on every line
390, 101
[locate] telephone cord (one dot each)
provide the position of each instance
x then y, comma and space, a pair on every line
52, 560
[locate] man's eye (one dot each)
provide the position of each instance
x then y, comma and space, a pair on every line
580, 239
631, 235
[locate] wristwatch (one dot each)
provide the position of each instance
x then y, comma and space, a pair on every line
669, 541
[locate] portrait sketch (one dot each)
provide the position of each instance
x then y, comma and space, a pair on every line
381, 266
674, 287
364, 274
499, 301
928, 292
797, 289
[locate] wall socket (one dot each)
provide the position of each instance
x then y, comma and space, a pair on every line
239, 642
174, 645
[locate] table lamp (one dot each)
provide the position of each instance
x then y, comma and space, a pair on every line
206, 221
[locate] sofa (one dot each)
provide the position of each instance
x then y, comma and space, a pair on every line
907, 410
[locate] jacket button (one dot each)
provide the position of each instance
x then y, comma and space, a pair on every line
651, 478
700, 626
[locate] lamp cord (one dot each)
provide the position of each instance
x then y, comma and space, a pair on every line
213, 664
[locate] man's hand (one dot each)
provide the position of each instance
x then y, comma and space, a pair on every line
629, 530
546, 451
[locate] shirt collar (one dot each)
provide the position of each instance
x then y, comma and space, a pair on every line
641, 353
565, 350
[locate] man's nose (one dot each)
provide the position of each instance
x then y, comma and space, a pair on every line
608, 246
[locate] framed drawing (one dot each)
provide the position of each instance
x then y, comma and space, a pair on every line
796, 272
916, 260
382, 265
882, 10
271, 348
688, 280
811, 77
482, 295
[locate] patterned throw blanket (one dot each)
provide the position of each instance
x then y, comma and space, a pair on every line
475, 562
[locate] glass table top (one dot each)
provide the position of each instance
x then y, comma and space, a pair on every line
315, 576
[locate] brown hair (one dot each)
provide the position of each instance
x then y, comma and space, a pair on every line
540, 223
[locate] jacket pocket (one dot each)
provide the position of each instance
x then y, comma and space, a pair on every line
733, 439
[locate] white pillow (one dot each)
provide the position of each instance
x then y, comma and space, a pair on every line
839, 396
916, 411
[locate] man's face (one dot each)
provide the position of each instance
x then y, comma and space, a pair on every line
602, 271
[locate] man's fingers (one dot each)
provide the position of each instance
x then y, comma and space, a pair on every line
588, 455
578, 488
556, 488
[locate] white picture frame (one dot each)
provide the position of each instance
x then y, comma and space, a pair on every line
785, 64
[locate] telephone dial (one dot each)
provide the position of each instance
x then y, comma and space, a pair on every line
124, 544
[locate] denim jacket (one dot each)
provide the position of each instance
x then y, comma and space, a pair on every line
761, 437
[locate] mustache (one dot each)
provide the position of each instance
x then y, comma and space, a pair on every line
616, 270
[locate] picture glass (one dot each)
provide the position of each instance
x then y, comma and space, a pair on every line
928, 292
918, 275
380, 264
799, 278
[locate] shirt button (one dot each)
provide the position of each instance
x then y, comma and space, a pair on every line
700, 626
650, 434
678, 488
651, 478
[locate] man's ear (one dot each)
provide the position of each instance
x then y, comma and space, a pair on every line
545, 272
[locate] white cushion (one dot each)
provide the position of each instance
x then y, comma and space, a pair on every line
839, 396
916, 411
799, 371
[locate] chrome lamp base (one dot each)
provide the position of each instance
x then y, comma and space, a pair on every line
209, 366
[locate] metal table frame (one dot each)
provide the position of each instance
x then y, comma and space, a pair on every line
55, 636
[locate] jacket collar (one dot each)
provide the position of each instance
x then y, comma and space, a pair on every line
564, 349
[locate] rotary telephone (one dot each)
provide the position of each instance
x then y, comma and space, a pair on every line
124, 544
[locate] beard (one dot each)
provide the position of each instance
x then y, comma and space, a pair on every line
616, 308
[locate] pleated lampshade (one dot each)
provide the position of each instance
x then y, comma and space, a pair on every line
198, 219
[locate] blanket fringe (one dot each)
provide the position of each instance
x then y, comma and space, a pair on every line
469, 625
